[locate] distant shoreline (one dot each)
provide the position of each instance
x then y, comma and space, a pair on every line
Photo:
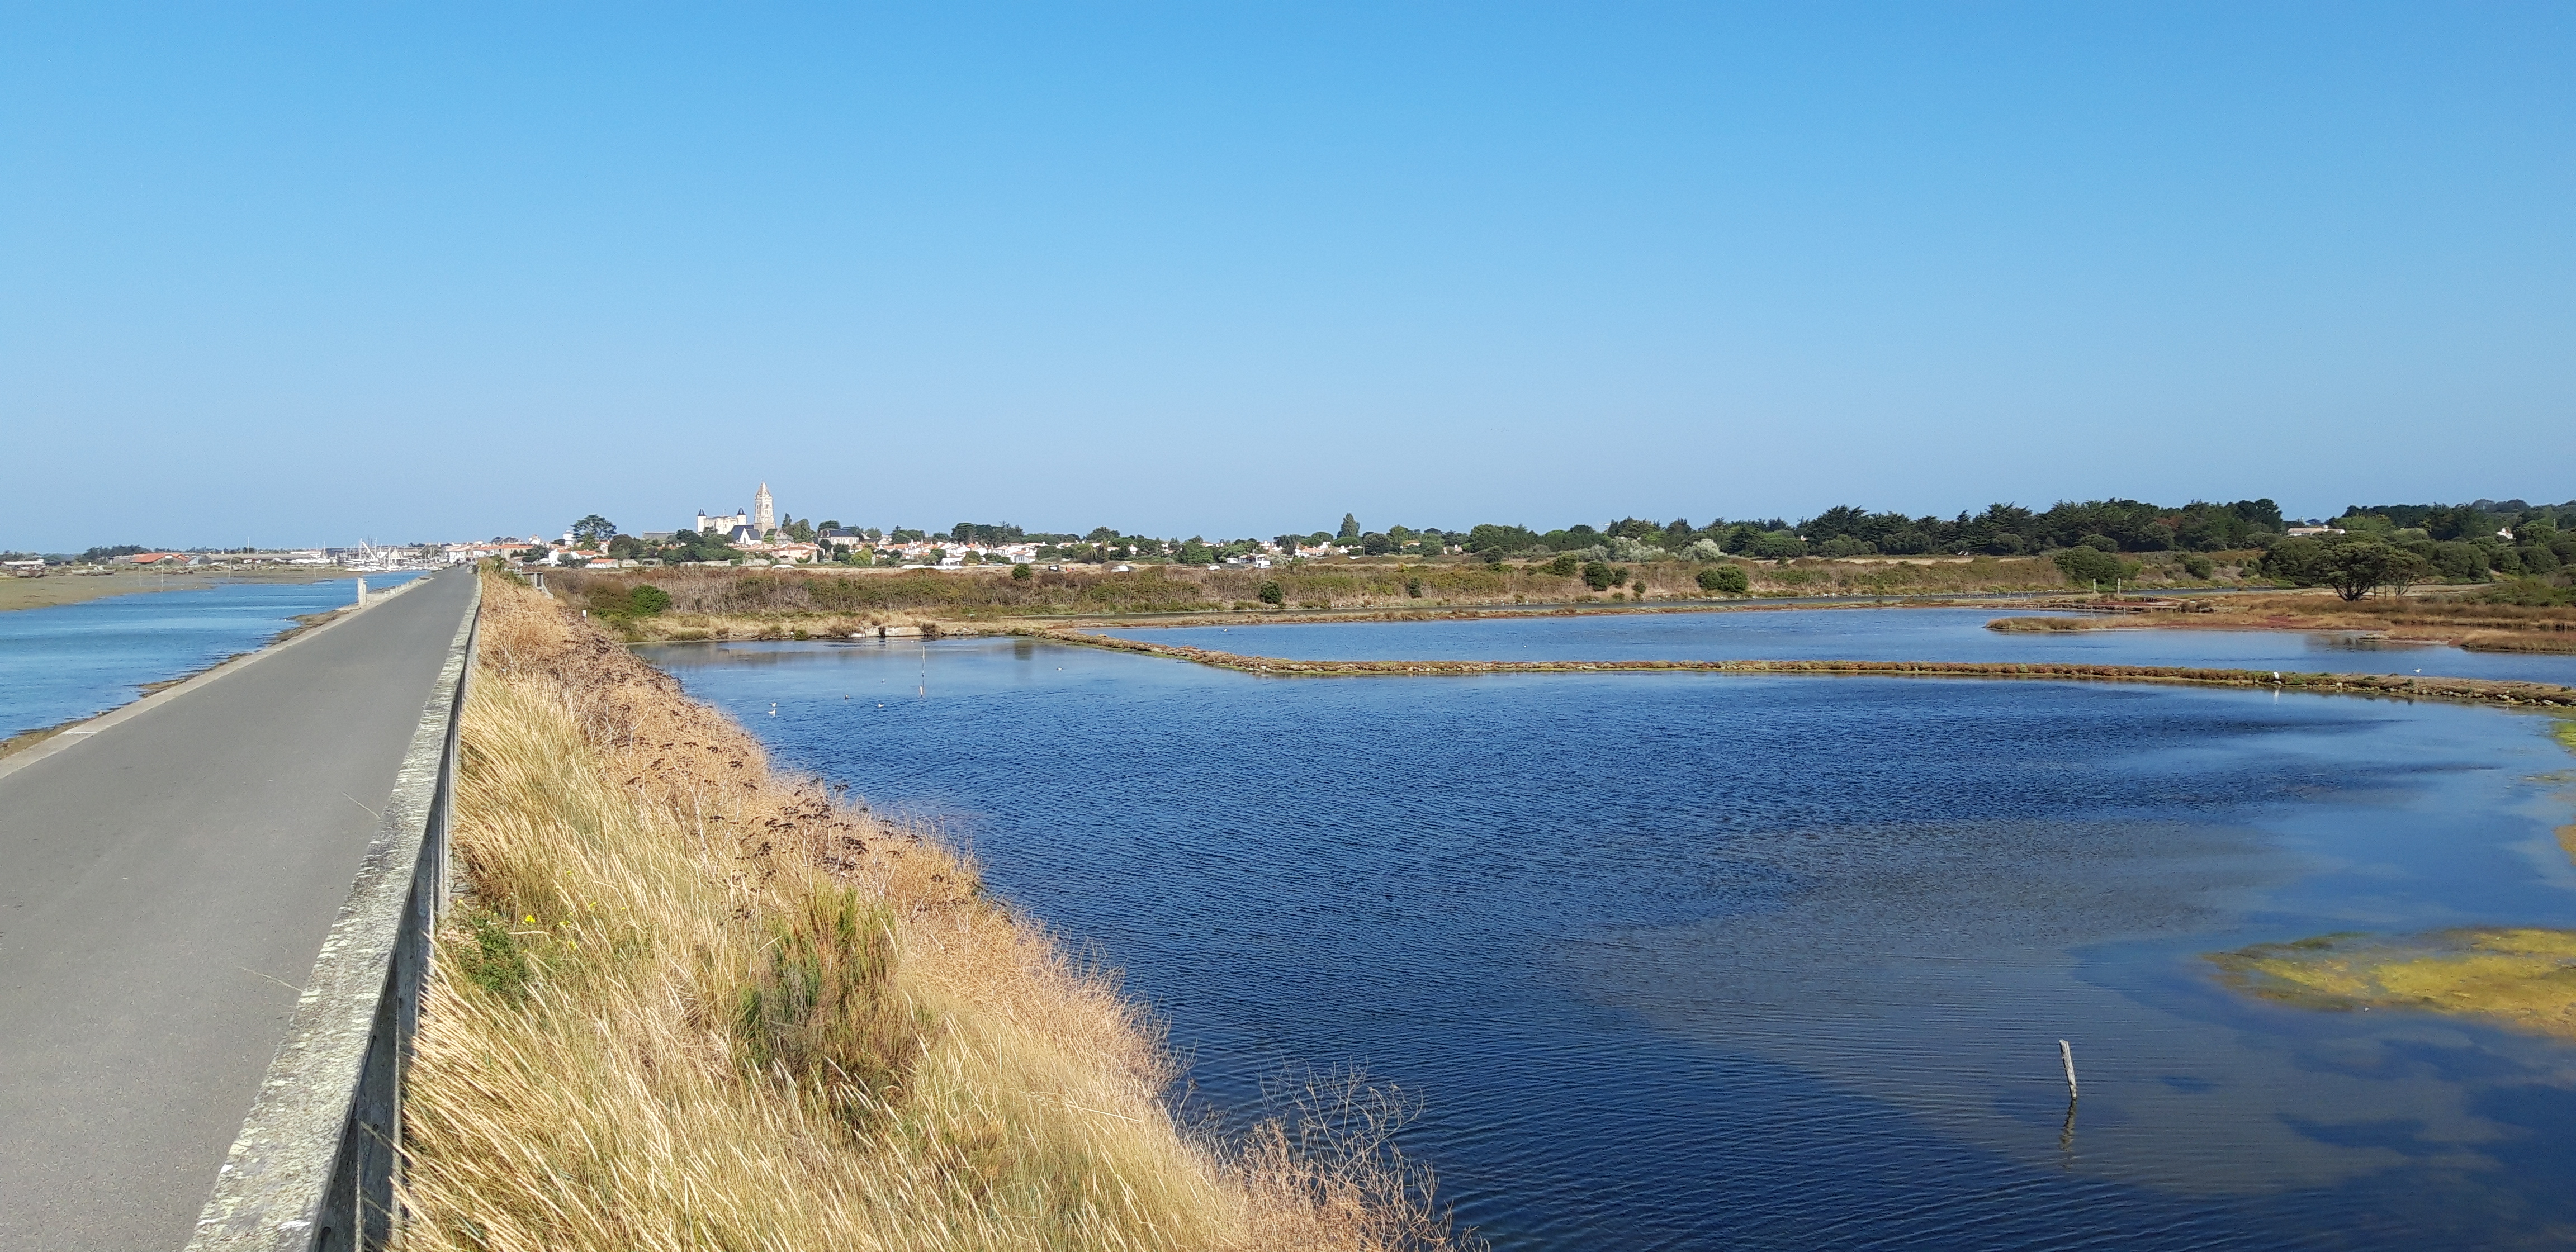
58, 589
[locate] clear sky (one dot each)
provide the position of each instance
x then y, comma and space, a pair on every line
304, 274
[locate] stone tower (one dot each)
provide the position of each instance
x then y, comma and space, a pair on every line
764, 517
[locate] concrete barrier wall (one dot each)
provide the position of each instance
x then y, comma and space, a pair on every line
316, 1164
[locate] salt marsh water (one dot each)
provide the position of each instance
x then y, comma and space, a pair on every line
72, 660
1704, 961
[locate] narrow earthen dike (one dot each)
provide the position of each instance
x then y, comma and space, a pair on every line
2423, 687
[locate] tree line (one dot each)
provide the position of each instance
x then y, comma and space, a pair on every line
1849, 530
2367, 547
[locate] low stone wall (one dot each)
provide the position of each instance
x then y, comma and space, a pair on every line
318, 1158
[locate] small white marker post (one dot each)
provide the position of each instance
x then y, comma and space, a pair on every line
2066, 1053
362, 591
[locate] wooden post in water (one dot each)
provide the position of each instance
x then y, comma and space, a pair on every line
2066, 1053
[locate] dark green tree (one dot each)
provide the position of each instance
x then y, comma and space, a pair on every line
1350, 528
592, 531
1779, 545
1272, 595
1601, 576
2405, 569
1021, 574
2358, 568
2459, 562
1489, 538
2092, 565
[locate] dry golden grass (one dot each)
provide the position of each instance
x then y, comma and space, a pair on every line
690, 1004
726, 603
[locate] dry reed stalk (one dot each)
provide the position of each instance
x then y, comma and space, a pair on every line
690, 1004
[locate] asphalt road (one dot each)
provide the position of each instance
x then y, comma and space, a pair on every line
165, 885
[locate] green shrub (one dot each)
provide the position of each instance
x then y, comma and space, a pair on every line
1272, 595
493, 960
2198, 566
647, 600
1565, 565
2530, 593
1598, 576
1021, 574
1729, 579
2093, 565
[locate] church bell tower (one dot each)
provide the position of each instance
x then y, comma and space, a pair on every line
764, 516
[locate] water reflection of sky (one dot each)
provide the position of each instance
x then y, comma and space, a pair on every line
68, 661
1718, 961
1849, 634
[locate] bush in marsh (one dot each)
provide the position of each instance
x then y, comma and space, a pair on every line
1725, 580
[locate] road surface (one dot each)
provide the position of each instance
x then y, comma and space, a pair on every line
165, 885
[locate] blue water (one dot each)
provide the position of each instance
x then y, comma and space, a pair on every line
1849, 635
73, 660
1708, 961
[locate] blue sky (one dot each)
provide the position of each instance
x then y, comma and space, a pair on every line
303, 274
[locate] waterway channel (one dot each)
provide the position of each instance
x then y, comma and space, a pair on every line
1704, 961
69, 661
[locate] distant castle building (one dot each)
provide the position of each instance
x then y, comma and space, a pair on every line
739, 526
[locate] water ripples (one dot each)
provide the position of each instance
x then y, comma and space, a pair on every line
1696, 962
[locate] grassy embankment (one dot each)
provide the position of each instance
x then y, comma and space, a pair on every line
688, 1003
2521, 978
53, 589
759, 603
2471, 618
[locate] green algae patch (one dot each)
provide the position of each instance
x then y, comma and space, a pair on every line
2522, 979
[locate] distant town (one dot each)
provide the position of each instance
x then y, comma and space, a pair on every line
2464, 542
762, 535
